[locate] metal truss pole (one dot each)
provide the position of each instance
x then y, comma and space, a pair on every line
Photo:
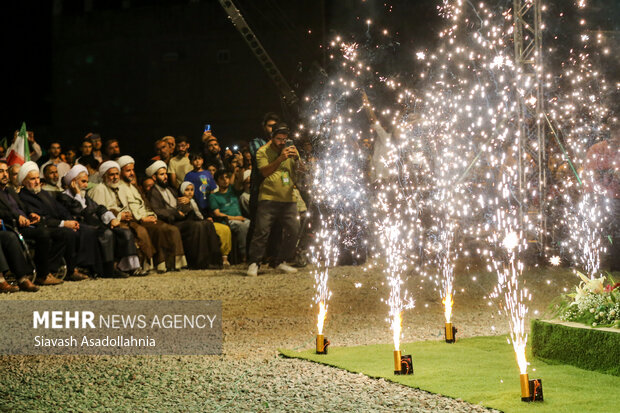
286, 91
531, 110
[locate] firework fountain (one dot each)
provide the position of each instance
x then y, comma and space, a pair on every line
475, 93
340, 192
586, 224
327, 256
446, 265
462, 149
579, 116
510, 243
396, 234
478, 92
338, 196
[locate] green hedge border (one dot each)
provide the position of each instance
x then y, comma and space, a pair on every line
586, 348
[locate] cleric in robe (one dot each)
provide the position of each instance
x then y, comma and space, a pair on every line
110, 196
117, 244
80, 244
200, 241
166, 238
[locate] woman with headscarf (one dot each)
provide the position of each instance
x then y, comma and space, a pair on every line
192, 210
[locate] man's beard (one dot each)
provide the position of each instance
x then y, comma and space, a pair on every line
161, 182
126, 179
113, 185
36, 189
78, 191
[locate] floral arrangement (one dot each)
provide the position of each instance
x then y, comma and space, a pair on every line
593, 303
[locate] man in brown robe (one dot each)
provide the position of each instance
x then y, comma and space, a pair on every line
166, 238
109, 195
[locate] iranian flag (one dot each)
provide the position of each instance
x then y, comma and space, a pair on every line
19, 152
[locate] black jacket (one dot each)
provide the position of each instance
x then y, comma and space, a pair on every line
7, 214
91, 215
44, 205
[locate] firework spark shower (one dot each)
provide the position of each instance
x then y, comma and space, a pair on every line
454, 152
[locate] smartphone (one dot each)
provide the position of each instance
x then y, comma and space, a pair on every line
289, 142
207, 128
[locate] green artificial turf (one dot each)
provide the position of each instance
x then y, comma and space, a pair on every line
587, 348
480, 370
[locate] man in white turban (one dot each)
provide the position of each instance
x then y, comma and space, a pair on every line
116, 243
108, 193
166, 239
200, 241
115, 198
13, 212
64, 231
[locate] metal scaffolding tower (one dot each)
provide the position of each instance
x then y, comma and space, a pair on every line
286, 91
532, 120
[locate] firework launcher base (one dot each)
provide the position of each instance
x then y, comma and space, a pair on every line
403, 365
531, 390
450, 333
321, 344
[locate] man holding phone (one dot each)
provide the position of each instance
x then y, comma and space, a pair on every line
277, 162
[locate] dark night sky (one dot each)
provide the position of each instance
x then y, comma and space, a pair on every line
26, 64
27, 42
27, 34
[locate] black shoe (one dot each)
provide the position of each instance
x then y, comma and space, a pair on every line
76, 276
117, 274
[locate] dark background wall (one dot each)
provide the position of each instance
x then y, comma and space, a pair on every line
141, 69
25, 65
138, 70
143, 72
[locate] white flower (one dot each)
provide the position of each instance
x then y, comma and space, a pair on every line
593, 324
592, 310
580, 294
594, 285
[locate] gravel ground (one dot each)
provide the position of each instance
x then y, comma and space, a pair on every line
260, 315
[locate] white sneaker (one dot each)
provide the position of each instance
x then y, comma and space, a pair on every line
252, 270
284, 267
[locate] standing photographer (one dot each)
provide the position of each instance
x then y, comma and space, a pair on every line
277, 162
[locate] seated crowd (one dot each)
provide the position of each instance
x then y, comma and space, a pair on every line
75, 215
